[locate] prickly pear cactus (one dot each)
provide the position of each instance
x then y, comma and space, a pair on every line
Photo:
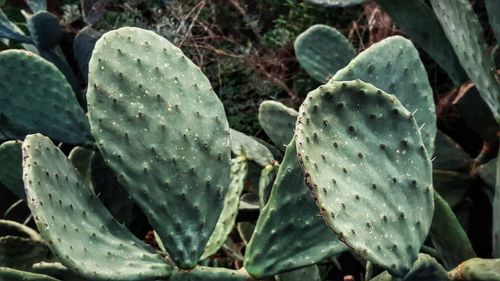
477, 269
278, 121
246, 146
322, 50
158, 123
79, 230
45, 30
394, 66
18, 275
366, 165
239, 170
11, 173
289, 233
463, 30
36, 98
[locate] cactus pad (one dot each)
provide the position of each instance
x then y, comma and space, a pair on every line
322, 50
239, 169
35, 98
79, 230
366, 165
11, 173
463, 30
477, 269
164, 133
393, 65
45, 30
243, 145
278, 121
9, 274
202, 273
289, 233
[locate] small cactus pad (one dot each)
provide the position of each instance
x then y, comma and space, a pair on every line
239, 170
493, 9
322, 50
82, 158
9, 274
79, 230
243, 145
164, 133
393, 65
35, 98
463, 30
290, 233
202, 273
448, 236
477, 269
278, 121
365, 164
45, 30
336, 3
418, 20
11, 173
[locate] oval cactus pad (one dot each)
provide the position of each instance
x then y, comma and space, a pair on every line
164, 133
364, 161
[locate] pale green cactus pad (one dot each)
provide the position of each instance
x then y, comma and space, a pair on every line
418, 20
239, 170
462, 28
426, 268
322, 50
278, 121
36, 98
266, 179
290, 233
394, 66
11, 173
250, 148
75, 223
367, 167
164, 132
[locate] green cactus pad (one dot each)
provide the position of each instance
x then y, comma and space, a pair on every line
310, 273
56, 270
453, 186
418, 20
393, 65
45, 30
9, 274
11, 173
367, 167
243, 145
336, 3
322, 50
35, 98
82, 158
239, 170
164, 133
79, 230
267, 177
202, 273
477, 269
289, 233
278, 121
463, 30
448, 236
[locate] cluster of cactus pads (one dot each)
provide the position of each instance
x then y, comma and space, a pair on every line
356, 173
